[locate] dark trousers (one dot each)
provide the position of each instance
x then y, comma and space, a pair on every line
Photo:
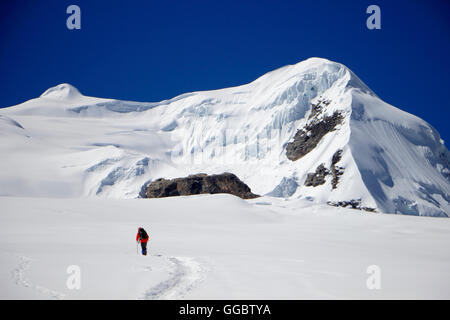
144, 248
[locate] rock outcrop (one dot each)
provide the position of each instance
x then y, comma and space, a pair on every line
351, 204
306, 139
317, 178
198, 184
336, 171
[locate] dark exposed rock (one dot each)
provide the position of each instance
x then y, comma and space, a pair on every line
198, 184
337, 156
306, 139
352, 204
317, 178
336, 171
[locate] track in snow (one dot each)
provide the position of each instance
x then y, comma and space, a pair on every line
19, 279
185, 274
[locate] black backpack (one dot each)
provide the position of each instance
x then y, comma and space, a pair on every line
143, 234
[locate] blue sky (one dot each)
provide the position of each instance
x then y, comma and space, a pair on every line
155, 50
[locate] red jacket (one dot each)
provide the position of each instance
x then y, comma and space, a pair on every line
139, 239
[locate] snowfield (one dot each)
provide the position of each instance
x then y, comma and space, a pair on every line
217, 247
72, 168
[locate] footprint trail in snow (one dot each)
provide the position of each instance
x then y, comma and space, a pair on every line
19, 279
184, 275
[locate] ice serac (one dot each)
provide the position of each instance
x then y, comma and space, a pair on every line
311, 130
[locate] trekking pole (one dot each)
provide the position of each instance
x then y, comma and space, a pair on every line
137, 248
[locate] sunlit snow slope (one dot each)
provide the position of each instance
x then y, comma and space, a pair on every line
64, 144
216, 247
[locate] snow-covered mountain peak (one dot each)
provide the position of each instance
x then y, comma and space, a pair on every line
321, 67
63, 91
312, 130
309, 69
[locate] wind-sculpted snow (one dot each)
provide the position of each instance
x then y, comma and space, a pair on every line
86, 146
9, 126
402, 159
114, 106
9, 121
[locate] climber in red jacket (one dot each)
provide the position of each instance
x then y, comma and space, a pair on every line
142, 237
